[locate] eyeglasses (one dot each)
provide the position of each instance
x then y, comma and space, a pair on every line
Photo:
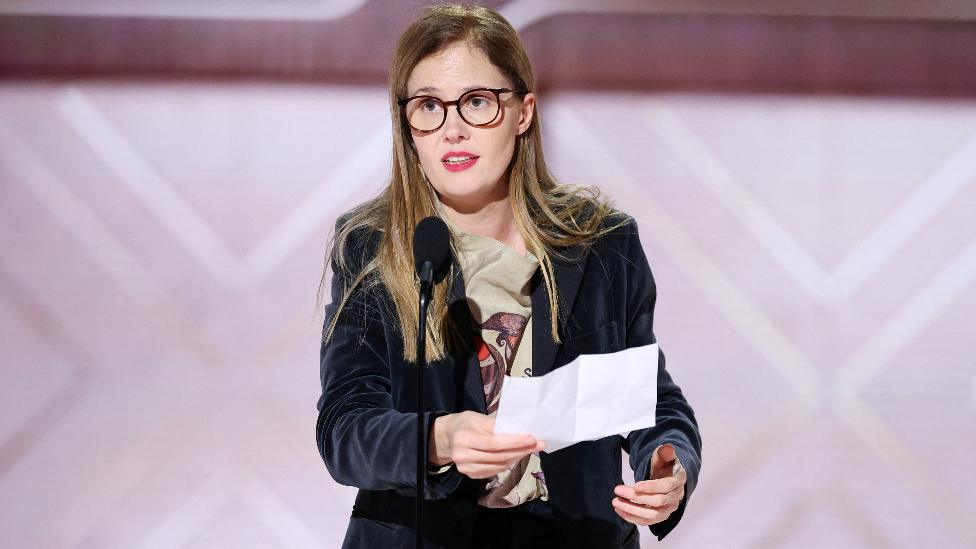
478, 107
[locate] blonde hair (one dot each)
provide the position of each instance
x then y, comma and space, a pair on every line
548, 215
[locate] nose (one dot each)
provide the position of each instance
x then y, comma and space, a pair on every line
455, 129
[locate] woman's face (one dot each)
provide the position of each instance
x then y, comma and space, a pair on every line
467, 165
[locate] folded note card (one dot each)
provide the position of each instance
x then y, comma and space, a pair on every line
590, 398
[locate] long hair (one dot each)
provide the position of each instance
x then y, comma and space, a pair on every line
548, 215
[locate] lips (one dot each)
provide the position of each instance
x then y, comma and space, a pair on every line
456, 161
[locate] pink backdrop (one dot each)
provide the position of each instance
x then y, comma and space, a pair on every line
162, 241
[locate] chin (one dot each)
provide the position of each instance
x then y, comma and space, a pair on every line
465, 195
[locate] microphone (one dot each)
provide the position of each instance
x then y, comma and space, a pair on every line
432, 249
432, 259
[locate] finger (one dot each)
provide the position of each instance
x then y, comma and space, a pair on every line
465, 454
634, 493
642, 521
665, 453
659, 485
631, 518
496, 448
649, 515
485, 470
473, 455
661, 465
646, 511
667, 504
655, 500
625, 491
495, 443
650, 500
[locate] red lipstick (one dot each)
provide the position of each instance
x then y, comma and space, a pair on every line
456, 161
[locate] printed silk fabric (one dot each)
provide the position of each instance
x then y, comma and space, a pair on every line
496, 281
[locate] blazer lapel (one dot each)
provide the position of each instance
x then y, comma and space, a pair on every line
569, 276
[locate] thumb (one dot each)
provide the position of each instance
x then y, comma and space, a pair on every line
663, 455
662, 461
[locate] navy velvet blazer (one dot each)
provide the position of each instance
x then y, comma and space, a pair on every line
366, 429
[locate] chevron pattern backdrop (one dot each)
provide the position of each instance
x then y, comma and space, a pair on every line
163, 240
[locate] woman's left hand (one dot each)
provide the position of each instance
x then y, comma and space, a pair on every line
652, 501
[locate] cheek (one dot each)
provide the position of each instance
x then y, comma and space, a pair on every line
426, 151
504, 148
511, 135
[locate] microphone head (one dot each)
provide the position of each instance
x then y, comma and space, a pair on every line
432, 242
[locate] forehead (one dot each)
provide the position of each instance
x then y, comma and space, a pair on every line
453, 70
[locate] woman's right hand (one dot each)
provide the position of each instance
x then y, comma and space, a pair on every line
469, 440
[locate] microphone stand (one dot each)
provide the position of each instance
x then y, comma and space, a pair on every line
426, 285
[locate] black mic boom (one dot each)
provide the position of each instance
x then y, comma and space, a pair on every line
432, 258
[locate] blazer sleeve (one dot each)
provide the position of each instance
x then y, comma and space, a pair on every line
364, 441
675, 419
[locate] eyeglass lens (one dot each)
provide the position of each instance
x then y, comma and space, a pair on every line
477, 107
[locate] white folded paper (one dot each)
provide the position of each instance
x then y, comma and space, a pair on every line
590, 398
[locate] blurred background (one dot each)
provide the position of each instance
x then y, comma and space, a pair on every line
803, 174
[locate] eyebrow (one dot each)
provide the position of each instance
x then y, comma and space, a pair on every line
429, 89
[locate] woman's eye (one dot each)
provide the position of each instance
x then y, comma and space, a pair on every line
430, 105
477, 102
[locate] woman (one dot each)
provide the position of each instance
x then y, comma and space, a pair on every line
543, 272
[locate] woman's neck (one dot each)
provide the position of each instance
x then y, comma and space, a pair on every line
493, 219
